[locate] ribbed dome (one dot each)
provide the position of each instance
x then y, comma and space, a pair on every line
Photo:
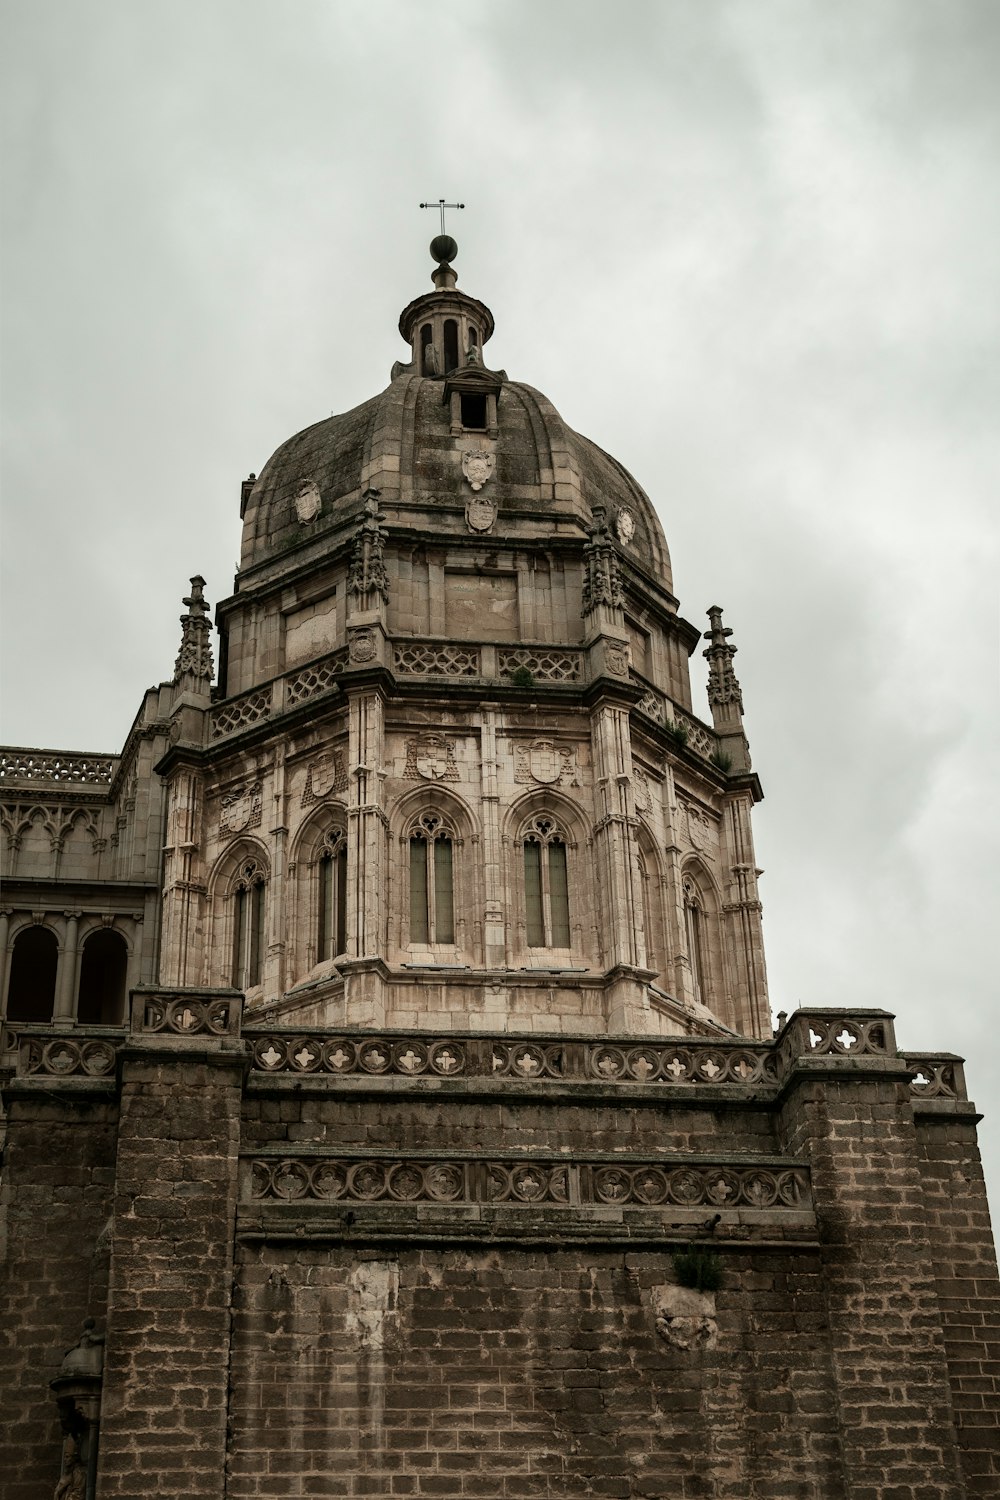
547, 480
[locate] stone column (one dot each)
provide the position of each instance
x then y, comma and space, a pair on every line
744, 937
65, 1007
494, 899
5, 916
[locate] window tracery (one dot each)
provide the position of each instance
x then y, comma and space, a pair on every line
247, 891
694, 925
331, 896
432, 885
546, 884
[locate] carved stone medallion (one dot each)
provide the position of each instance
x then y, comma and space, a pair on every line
362, 645
241, 809
477, 467
480, 513
625, 524
544, 762
308, 501
430, 757
616, 660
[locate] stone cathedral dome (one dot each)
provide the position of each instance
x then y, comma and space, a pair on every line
546, 479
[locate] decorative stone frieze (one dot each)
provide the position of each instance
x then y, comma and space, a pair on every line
648, 1184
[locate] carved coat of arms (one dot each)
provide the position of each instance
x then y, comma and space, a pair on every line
308, 501
625, 524
241, 809
480, 513
430, 757
478, 468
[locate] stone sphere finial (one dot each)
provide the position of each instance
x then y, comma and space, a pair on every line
443, 248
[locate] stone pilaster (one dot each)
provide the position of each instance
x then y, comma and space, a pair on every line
741, 915
616, 866
183, 885
163, 1423
852, 1120
494, 894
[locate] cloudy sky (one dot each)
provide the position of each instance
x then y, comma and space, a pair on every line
749, 246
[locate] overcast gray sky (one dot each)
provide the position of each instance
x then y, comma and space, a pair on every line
749, 246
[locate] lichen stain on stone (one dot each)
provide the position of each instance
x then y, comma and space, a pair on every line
375, 1291
685, 1319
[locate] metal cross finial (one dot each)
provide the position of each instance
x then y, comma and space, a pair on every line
442, 205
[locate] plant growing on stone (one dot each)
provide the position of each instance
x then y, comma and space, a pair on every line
701, 1270
522, 678
722, 760
679, 733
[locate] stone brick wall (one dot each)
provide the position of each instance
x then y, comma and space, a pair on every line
56, 1203
508, 1373
957, 1225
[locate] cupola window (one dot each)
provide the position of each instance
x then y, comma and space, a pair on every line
450, 345
428, 364
473, 411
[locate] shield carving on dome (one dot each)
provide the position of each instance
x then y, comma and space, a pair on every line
480, 513
478, 468
307, 501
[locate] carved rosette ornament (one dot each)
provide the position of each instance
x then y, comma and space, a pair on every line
478, 467
601, 582
367, 572
194, 659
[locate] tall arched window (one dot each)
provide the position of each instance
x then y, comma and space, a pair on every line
331, 927
103, 970
450, 345
248, 924
694, 923
32, 991
648, 929
546, 885
432, 893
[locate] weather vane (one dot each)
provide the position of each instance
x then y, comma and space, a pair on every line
442, 205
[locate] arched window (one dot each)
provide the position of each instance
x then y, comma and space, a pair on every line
648, 929
546, 885
103, 969
331, 926
694, 923
432, 894
450, 345
32, 991
248, 924
428, 365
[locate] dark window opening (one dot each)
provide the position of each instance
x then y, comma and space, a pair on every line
473, 337
474, 412
427, 350
32, 992
102, 980
333, 900
450, 345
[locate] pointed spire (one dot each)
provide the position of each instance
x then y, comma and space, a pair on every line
194, 659
723, 687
